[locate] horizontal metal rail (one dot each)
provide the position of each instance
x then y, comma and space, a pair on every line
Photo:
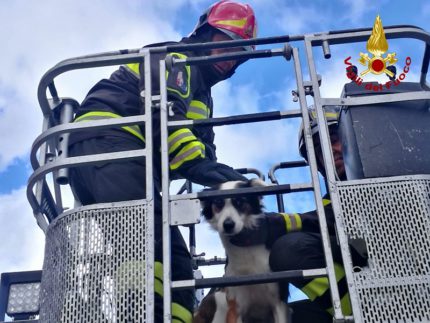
244, 118
348, 36
274, 180
377, 99
248, 279
127, 56
80, 126
74, 162
136, 55
285, 51
210, 262
247, 191
285, 165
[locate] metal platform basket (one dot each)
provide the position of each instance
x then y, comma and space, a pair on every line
94, 267
393, 217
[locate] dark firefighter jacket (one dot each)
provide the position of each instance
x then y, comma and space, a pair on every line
317, 289
191, 152
282, 223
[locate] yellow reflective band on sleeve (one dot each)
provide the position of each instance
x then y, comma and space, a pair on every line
293, 222
345, 305
98, 115
188, 77
197, 110
133, 68
180, 314
179, 137
233, 23
326, 202
287, 221
298, 221
318, 286
191, 151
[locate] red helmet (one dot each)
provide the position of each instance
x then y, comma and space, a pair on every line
232, 18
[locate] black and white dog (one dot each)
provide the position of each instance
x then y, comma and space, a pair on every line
228, 216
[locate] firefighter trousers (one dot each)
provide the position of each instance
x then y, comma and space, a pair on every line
303, 250
123, 181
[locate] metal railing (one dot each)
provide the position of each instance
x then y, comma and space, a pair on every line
49, 151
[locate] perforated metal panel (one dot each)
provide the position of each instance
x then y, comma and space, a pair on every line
94, 267
393, 217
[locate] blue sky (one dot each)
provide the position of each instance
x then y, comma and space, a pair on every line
35, 35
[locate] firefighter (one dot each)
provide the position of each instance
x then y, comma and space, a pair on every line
191, 151
295, 239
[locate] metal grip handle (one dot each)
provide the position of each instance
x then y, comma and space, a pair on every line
66, 116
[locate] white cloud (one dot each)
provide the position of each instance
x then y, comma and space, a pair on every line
425, 9
255, 145
355, 10
35, 35
61, 30
22, 241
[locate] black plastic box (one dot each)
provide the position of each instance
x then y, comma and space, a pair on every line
388, 139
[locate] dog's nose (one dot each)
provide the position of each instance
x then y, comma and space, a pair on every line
228, 225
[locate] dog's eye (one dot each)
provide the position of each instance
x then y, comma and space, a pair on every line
218, 203
239, 202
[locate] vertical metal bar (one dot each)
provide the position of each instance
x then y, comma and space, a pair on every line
425, 65
66, 116
279, 198
331, 180
41, 220
192, 240
192, 236
149, 235
165, 195
317, 189
57, 189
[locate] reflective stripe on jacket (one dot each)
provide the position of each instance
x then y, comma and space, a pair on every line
119, 96
98, 115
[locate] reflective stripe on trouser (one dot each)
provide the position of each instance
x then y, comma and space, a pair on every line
303, 250
98, 115
122, 181
127, 278
179, 313
318, 291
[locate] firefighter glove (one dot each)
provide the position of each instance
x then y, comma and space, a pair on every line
209, 173
268, 229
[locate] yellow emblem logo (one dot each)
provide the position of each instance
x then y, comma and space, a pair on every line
377, 45
376, 63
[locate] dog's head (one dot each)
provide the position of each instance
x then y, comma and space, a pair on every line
229, 216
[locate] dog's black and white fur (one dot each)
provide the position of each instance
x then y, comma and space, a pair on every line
256, 303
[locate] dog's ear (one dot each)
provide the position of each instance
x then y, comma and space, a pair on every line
207, 209
207, 206
255, 182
